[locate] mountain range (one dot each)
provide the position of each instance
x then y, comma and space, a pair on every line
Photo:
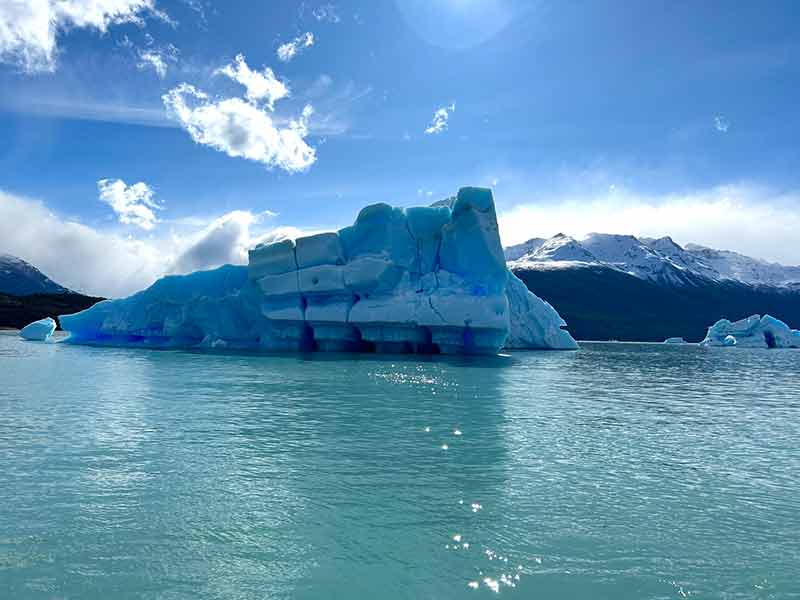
20, 278
27, 294
609, 286
659, 260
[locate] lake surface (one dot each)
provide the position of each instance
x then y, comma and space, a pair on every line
618, 471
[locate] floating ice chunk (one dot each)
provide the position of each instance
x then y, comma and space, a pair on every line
675, 340
39, 331
753, 332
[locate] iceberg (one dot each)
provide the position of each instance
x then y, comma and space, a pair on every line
753, 332
39, 331
423, 279
675, 340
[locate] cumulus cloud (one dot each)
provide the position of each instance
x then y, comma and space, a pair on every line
440, 119
224, 241
289, 50
227, 239
158, 60
133, 204
241, 129
74, 254
261, 86
753, 220
112, 265
29, 28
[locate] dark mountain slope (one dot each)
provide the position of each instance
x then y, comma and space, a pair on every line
18, 311
21, 278
601, 303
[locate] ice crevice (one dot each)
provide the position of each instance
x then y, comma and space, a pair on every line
420, 279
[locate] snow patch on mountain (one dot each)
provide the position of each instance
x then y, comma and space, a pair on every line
732, 265
660, 260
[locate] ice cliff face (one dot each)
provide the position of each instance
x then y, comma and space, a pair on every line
753, 332
424, 279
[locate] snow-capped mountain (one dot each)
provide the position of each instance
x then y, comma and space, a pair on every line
659, 260
562, 248
20, 278
520, 250
732, 265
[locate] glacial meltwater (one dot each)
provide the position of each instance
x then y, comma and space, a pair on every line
617, 471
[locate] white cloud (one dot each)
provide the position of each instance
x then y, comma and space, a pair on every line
440, 119
158, 60
260, 85
133, 204
73, 254
241, 129
289, 50
748, 219
326, 12
226, 240
721, 124
29, 28
112, 265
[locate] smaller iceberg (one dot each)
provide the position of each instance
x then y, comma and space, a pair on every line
39, 331
753, 332
675, 340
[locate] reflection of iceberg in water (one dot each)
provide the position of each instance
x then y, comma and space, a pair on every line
369, 447
425, 279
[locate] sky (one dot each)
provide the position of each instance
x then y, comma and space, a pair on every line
146, 137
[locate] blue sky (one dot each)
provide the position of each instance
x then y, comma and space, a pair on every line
649, 118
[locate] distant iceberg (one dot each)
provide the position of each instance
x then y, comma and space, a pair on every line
424, 279
753, 332
39, 331
675, 340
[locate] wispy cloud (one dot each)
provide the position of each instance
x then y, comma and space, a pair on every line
157, 59
29, 29
134, 204
289, 50
328, 13
721, 124
440, 119
90, 110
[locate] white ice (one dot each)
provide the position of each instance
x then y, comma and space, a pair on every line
39, 331
753, 332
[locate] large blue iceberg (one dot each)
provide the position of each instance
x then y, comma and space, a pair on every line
424, 279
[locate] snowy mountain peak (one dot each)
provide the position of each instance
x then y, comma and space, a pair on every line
20, 278
519, 250
660, 260
561, 248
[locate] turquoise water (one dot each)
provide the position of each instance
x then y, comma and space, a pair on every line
619, 471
